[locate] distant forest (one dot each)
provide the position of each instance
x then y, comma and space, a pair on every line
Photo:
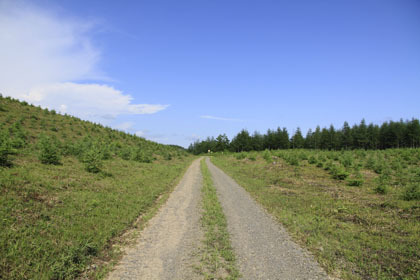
402, 134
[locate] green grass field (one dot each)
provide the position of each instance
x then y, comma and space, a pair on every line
69, 189
358, 212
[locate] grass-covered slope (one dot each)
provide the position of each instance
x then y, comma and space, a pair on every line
68, 188
357, 211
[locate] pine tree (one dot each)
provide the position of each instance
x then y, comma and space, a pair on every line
347, 138
297, 139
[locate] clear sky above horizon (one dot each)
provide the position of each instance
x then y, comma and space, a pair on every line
176, 71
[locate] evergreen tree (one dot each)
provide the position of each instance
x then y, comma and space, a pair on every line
222, 143
316, 136
270, 140
242, 142
333, 138
360, 135
257, 141
413, 134
309, 141
297, 140
325, 141
373, 136
346, 137
284, 142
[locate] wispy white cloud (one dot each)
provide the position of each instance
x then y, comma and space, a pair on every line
88, 100
220, 118
125, 126
44, 54
153, 136
192, 137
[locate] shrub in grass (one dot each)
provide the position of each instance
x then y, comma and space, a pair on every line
303, 155
328, 165
142, 156
382, 184
338, 173
381, 189
6, 149
322, 158
92, 159
18, 135
320, 164
346, 160
379, 168
126, 153
267, 156
105, 151
370, 163
412, 192
312, 160
240, 156
49, 152
252, 157
292, 159
355, 181
168, 156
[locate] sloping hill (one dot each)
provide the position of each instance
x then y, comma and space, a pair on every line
69, 188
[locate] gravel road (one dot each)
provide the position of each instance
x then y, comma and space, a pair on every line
165, 249
263, 248
168, 247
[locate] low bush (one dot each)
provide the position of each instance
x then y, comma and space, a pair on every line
240, 156
142, 156
92, 159
412, 192
381, 189
338, 172
49, 152
267, 156
6, 149
312, 160
355, 181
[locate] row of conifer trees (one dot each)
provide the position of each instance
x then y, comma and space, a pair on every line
401, 134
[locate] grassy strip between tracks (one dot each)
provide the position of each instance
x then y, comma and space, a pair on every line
218, 258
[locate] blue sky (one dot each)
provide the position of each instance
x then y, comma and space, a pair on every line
175, 71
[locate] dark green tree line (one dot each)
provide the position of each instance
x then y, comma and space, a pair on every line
401, 134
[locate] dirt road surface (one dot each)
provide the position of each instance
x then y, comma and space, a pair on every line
263, 248
166, 246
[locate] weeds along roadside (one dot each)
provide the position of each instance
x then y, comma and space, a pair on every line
354, 230
217, 257
68, 187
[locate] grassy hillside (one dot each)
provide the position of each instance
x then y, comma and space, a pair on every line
357, 211
69, 188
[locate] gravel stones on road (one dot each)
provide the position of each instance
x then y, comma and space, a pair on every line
264, 249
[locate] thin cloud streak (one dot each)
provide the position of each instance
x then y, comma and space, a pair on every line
220, 118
